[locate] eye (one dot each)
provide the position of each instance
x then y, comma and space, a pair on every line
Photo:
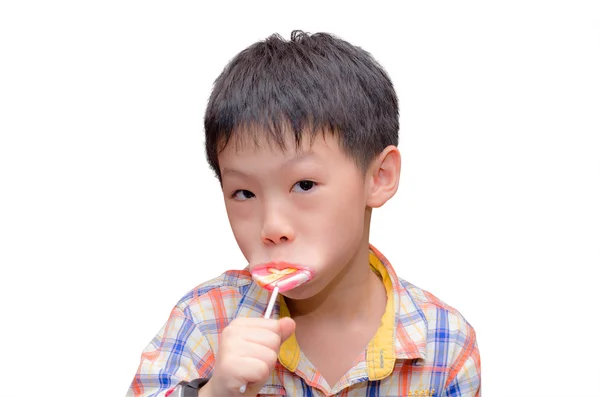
304, 186
242, 195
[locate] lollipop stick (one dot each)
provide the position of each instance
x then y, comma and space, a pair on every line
272, 302
267, 315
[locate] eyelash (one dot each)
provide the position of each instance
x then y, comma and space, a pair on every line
239, 190
244, 190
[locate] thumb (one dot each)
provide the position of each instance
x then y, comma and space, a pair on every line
287, 326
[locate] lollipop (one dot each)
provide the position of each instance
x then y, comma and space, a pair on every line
286, 278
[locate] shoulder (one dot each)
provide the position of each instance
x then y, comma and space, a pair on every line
447, 328
230, 280
432, 305
218, 297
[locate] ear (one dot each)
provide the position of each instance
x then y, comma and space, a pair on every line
383, 176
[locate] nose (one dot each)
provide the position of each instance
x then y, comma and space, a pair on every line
276, 228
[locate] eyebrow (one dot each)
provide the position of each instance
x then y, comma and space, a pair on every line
228, 171
300, 156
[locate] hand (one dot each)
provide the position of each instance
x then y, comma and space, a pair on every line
247, 354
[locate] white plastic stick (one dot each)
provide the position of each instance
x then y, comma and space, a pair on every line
267, 315
272, 302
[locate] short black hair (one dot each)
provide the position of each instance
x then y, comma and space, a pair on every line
312, 83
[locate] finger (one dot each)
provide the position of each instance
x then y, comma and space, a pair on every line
242, 326
259, 352
234, 372
263, 337
287, 326
252, 372
255, 322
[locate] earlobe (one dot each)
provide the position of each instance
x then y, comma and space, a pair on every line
384, 175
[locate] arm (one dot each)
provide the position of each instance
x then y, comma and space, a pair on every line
465, 376
178, 352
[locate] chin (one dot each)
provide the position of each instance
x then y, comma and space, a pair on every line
295, 294
304, 291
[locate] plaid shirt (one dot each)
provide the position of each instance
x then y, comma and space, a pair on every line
423, 347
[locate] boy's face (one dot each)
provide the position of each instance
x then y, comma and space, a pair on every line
306, 207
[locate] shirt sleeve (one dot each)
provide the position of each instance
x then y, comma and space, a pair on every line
465, 376
178, 352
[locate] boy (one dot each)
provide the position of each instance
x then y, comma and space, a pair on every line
302, 136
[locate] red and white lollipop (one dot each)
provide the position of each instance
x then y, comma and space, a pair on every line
284, 279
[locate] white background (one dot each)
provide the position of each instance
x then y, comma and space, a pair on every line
109, 213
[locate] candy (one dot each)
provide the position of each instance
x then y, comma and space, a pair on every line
285, 279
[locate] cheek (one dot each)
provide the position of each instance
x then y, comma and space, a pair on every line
242, 226
350, 223
350, 203
341, 221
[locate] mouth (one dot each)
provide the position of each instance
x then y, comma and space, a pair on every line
281, 265
284, 275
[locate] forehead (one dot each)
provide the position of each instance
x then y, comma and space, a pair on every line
245, 143
260, 156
